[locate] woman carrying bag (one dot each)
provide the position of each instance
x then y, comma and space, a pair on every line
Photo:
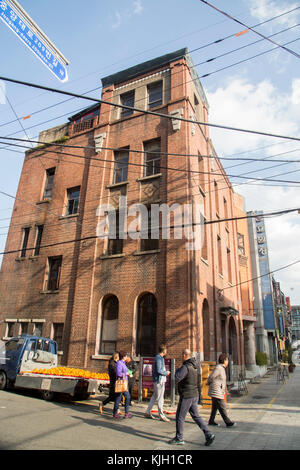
121, 387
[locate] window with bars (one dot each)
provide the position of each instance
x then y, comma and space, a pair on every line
58, 329
152, 157
115, 243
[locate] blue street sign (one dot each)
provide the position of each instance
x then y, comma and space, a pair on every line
27, 34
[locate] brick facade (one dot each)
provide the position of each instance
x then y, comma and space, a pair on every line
191, 309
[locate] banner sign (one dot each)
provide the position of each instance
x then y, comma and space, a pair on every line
32, 39
147, 367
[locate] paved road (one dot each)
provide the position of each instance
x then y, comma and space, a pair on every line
267, 418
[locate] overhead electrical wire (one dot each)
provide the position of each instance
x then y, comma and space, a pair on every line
250, 28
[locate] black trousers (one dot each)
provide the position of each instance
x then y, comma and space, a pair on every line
218, 405
111, 395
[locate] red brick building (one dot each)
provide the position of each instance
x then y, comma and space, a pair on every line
95, 295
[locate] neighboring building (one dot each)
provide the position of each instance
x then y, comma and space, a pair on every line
295, 329
262, 287
97, 294
283, 318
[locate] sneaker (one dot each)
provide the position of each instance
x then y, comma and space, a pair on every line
213, 424
128, 415
164, 418
177, 442
149, 415
210, 439
229, 425
117, 416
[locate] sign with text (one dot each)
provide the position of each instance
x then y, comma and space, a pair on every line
30, 36
147, 367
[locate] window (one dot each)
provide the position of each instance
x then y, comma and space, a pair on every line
109, 329
24, 328
149, 231
216, 197
152, 157
49, 183
54, 273
39, 234
154, 94
146, 326
10, 329
58, 329
204, 243
14, 345
201, 171
229, 266
73, 199
121, 166
127, 99
25, 241
38, 328
115, 244
220, 267
241, 244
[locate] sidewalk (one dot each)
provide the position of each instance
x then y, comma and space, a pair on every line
268, 417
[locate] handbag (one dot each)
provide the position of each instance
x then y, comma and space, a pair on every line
121, 385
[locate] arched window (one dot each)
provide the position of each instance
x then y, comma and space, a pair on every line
109, 325
146, 325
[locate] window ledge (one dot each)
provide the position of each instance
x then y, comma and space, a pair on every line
33, 257
101, 356
44, 201
49, 291
119, 255
147, 252
150, 177
68, 216
221, 275
204, 261
117, 185
20, 258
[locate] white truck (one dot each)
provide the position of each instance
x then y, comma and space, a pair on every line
19, 356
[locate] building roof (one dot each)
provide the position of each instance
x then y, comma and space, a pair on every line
145, 67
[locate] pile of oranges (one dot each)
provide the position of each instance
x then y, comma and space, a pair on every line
71, 372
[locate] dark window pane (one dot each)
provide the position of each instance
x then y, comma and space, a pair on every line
73, 200
49, 183
54, 273
25, 241
121, 167
152, 158
146, 330
155, 95
109, 330
40, 229
127, 99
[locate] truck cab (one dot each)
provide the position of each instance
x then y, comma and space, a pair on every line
23, 354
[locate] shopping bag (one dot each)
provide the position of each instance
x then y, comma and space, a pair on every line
121, 386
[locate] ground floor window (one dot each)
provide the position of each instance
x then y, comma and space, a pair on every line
146, 325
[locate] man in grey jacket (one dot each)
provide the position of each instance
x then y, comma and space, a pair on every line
217, 390
189, 388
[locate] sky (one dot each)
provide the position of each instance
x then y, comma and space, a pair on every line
259, 93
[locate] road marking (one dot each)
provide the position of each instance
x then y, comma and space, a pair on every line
275, 396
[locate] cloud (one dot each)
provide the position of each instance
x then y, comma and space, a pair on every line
263, 10
136, 9
252, 106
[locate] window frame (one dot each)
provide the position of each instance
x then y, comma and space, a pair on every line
114, 340
154, 154
51, 260
71, 202
50, 173
151, 87
121, 157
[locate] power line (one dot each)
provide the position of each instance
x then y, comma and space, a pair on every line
250, 28
143, 111
193, 224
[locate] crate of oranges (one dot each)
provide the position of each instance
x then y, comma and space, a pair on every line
72, 372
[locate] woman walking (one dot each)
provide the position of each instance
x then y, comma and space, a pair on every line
121, 373
217, 391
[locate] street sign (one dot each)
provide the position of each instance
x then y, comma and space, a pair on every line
21, 24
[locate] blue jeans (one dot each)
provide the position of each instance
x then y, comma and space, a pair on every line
118, 400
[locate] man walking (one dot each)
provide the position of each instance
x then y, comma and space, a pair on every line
159, 375
189, 388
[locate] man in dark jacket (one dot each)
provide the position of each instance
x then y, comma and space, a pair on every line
189, 388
